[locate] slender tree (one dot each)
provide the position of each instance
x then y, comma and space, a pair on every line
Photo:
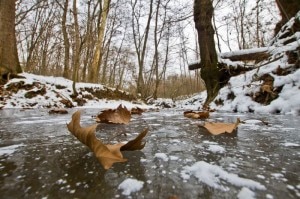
76, 56
9, 61
66, 72
97, 59
140, 43
203, 13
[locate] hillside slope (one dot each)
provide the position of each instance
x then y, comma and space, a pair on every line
273, 85
35, 91
268, 84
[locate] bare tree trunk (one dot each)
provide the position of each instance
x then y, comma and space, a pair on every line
242, 7
66, 40
257, 23
140, 46
95, 67
156, 50
9, 61
203, 12
76, 61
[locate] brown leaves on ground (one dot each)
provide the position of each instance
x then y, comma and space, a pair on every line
107, 155
137, 111
58, 111
196, 115
216, 128
116, 116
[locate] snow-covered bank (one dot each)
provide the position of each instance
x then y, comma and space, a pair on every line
35, 91
272, 86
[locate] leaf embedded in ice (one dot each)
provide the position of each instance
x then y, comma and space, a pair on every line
107, 155
196, 115
217, 128
116, 116
87, 136
137, 143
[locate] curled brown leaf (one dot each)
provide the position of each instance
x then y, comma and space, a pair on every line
107, 155
119, 115
217, 128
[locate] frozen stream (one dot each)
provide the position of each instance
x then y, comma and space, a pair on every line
39, 158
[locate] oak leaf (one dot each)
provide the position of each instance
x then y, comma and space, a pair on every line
196, 115
135, 144
119, 115
107, 155
216, 128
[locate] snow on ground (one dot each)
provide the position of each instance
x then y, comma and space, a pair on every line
216, 149
241, 92
162, 156
246, 193
8, 150
213, 175
57, 90
130, 185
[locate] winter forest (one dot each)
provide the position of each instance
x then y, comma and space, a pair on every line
141, 47
166, 99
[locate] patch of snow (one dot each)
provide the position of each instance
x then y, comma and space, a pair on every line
130, 185
290, 144
61, 181
8, 150
174, 158
216, 149
277, 175
212, 175
162, 156
246, 193
208, 142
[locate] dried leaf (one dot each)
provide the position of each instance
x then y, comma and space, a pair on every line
116, 116
219, 128
137, 143
196, 115
58, 111
137, 111
107, 155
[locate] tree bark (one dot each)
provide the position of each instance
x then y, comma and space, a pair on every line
288, 9
140, 43
203, 13
95, 67
9, 61
66, 40
76, 56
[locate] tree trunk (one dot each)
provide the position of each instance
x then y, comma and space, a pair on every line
95, 67
76, 56
140, 43
66, 40
203, 12
288, 9
9, 61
